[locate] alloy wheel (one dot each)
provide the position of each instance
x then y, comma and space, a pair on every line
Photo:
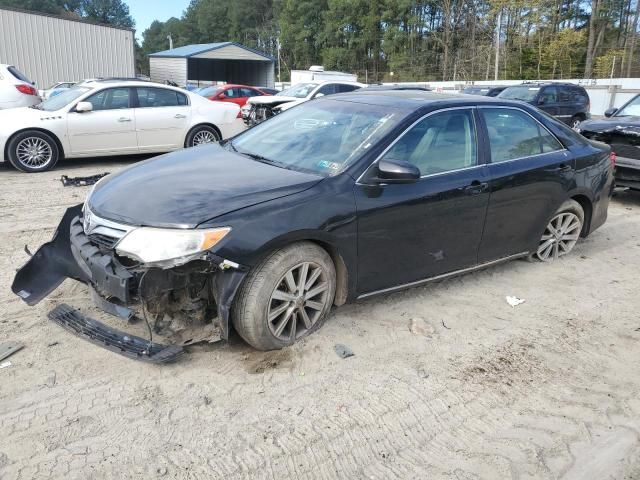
204, 137
298, 301
34, 152
560, 236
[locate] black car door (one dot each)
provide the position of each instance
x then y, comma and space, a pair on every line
409, 232
530, 172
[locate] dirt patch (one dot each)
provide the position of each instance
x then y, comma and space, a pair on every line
506, 364
266, 361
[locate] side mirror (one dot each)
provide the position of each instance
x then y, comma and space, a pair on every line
82, 107
542, 101
221, 96
397, 171
318, 95
610, 112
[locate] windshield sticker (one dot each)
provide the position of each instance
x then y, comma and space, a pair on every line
328, 165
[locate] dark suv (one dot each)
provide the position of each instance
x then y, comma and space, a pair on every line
567, 102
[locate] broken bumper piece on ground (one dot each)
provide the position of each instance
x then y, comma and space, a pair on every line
195, 295
115, 340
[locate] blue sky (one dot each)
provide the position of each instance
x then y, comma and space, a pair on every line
146, 11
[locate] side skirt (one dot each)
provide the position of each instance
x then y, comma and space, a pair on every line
443, 276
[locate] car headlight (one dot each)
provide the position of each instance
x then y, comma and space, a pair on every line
167, 245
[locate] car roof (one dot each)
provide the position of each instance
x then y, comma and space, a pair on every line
544, 84
414, 99
99, 85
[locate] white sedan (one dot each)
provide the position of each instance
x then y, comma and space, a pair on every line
112, 118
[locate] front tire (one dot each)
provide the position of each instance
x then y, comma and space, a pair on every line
202, 135
561, 233
286, 297
33, 151
575, 121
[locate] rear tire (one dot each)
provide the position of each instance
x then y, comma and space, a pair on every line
33, 151
202, 135
561, 234
285, 297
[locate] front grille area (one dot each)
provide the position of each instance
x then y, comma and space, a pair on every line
103, 241
101, 232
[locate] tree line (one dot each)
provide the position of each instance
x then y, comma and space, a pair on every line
403, 40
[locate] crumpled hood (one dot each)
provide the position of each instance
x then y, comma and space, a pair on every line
186, 188
272, 100
610, 124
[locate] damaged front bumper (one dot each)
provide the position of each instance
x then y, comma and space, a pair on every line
197, 293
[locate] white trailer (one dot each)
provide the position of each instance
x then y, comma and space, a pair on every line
319, 74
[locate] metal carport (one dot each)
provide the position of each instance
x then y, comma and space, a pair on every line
228, 62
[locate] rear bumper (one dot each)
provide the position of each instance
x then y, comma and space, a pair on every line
70, 254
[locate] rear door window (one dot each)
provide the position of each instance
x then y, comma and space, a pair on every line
328, 89
514, 134
564, 95
18, 74
342, 88
151, 97
549, 95
248, 92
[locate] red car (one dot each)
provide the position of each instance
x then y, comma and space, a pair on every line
238, 94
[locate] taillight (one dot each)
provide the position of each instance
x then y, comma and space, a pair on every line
239, 114
613, 158
26, 89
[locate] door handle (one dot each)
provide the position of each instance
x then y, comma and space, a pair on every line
179, 115
476, 187
124, 119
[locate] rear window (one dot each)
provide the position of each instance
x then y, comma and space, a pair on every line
18, 74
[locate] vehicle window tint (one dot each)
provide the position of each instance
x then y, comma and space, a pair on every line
232, 93
18, 74
248, 92
328, 89
347, 88
439, 143
514, 134
110, 99
159, 97
563, 95
549, 95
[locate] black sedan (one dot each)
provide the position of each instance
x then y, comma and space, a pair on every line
621, 130
337, 199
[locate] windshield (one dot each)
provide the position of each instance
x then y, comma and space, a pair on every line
208, 91
299, 90
322, 137
63, 99
630, 109
519, 93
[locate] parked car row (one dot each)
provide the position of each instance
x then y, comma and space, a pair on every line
566, 101
112, 117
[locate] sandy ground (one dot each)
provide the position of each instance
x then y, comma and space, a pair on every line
481, 390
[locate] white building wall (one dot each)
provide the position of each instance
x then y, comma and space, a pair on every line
49, 49
162, 69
